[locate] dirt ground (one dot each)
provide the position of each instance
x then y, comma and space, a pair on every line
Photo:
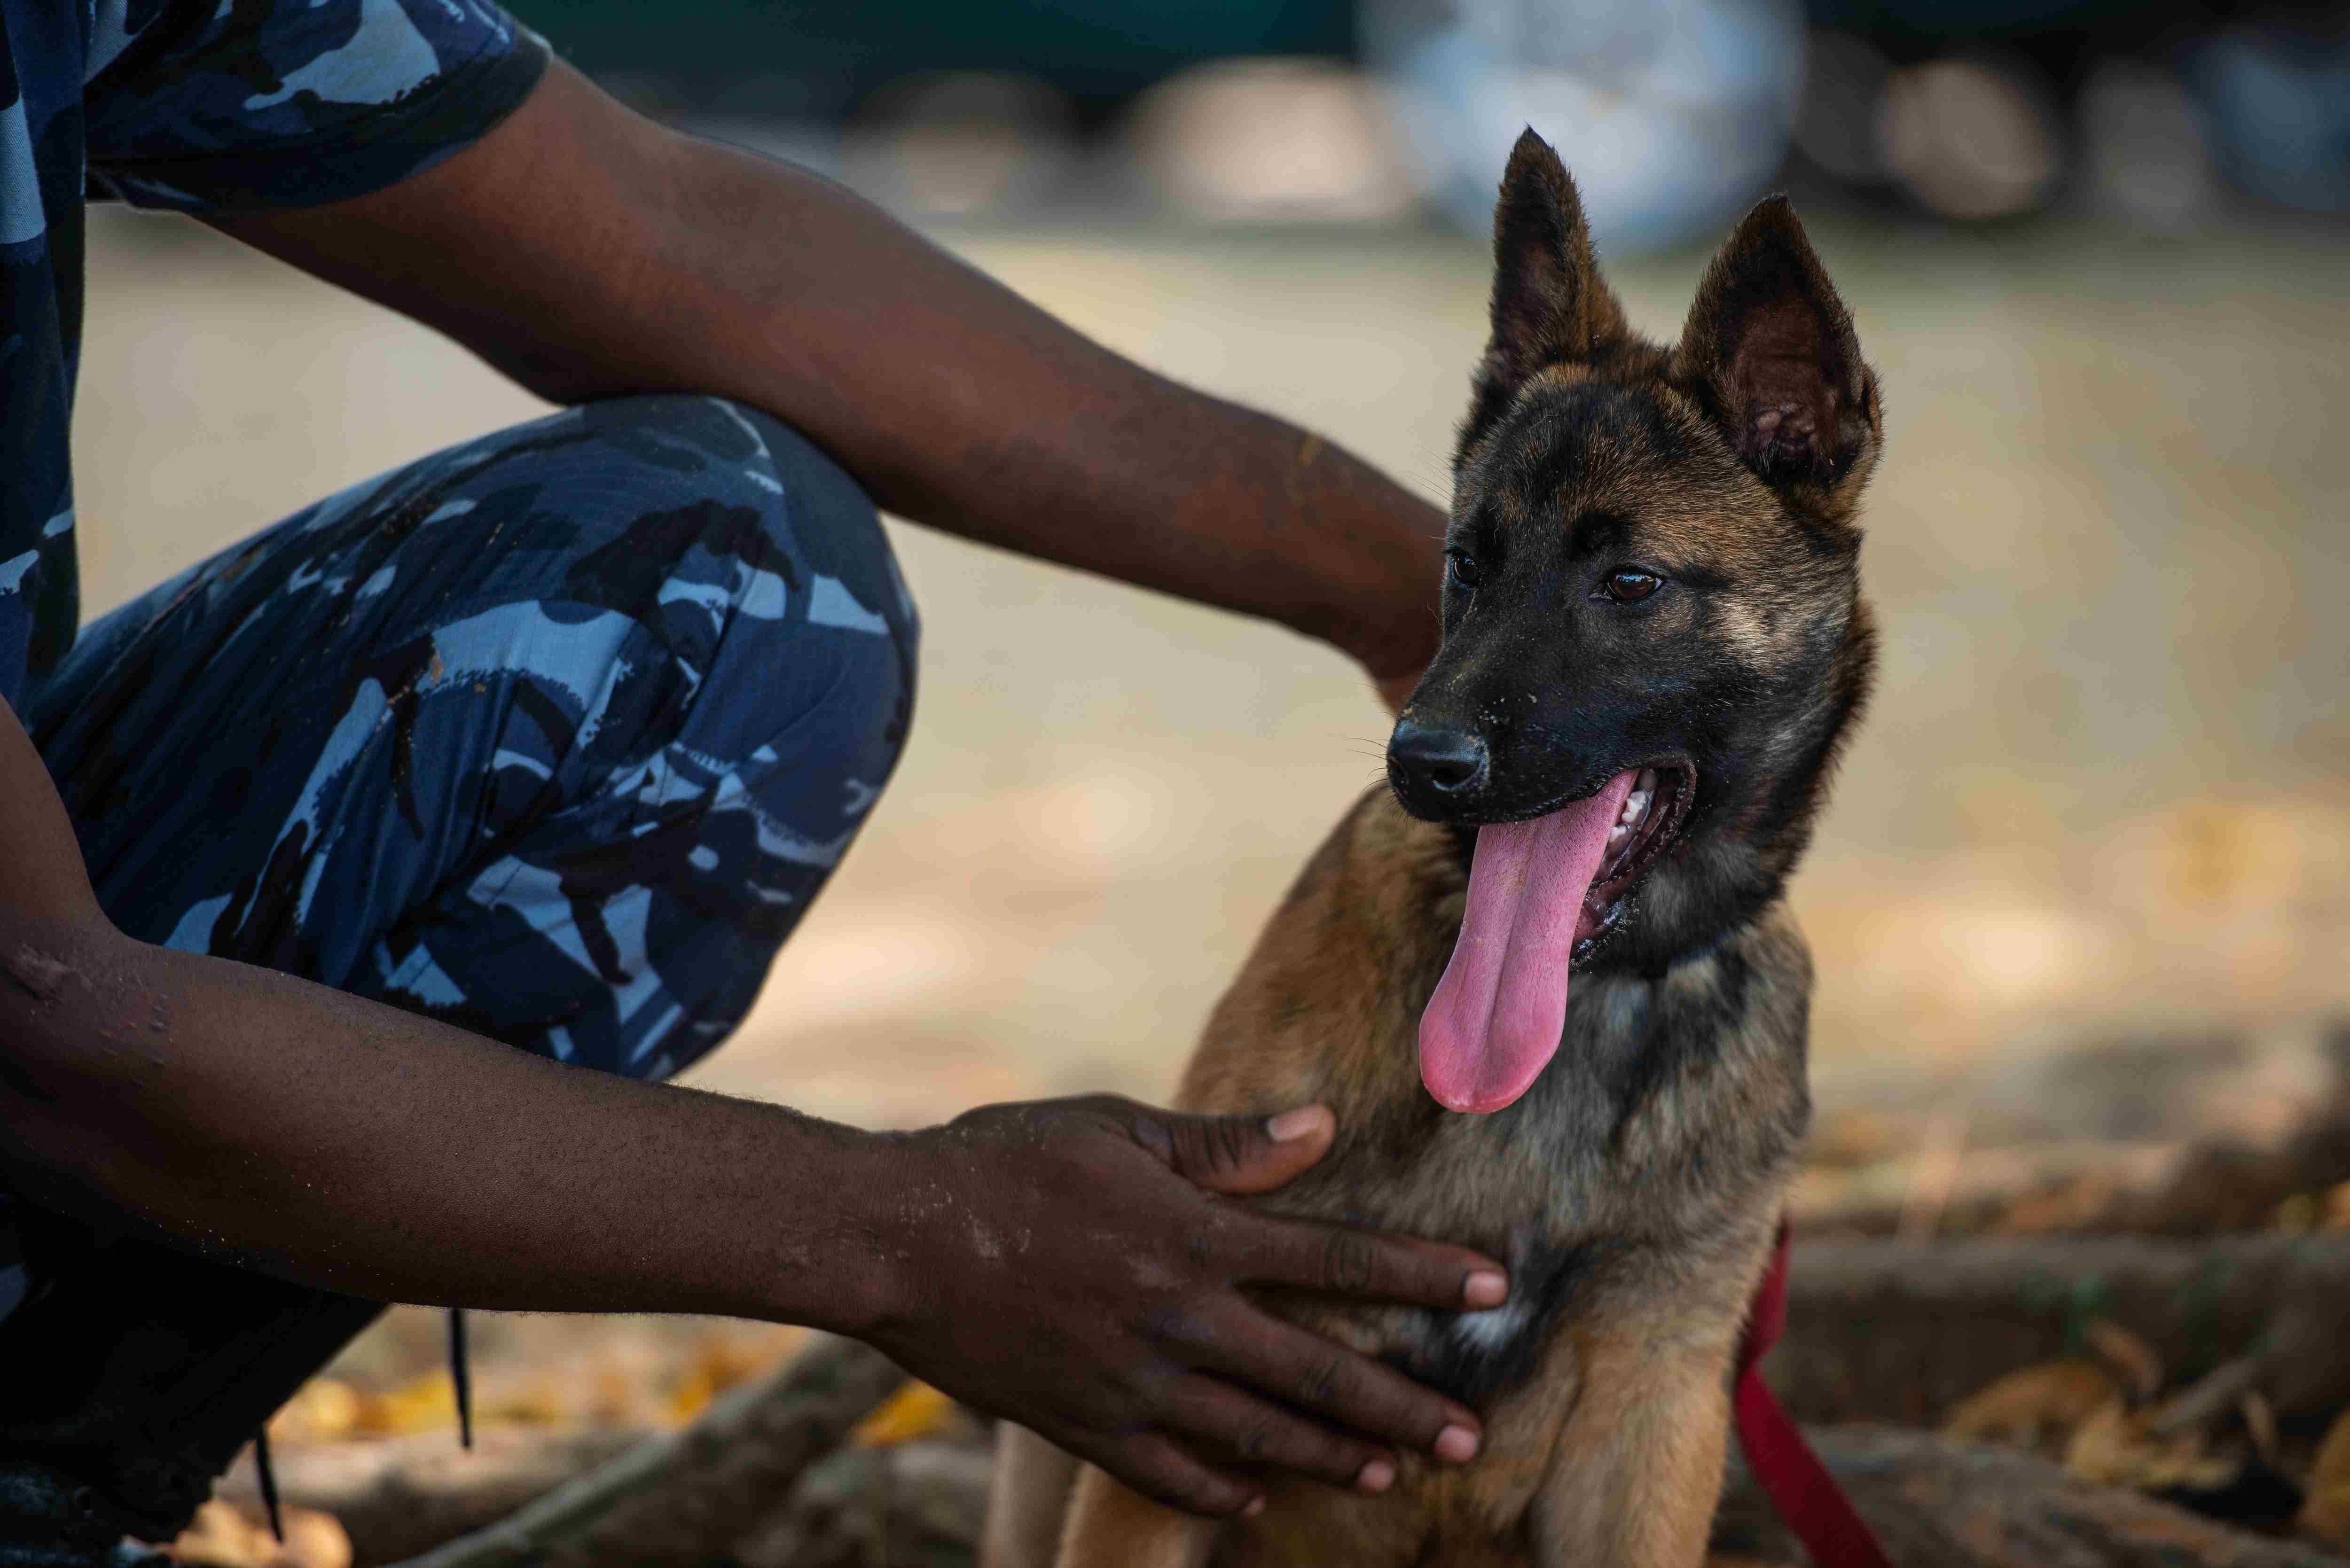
2103, 801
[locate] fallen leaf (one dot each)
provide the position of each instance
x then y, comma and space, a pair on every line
2325, 1513
419, 1404
314, 1539
1850, 1138
2297, 1212
2119, 1448
542, 1398
2139, 1362
2261, 1423
725, 1360
915, 1410
2035, 1407
222, 1537
323, 1410
2075, 1204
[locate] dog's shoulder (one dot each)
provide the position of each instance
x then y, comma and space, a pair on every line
1328, 1002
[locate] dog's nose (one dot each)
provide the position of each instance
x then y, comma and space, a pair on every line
1445, 759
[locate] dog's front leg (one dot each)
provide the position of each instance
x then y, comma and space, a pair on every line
1027, 1501
1638, 1471
1112, 1527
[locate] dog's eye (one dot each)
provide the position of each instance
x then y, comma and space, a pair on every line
1463, 567
1630, 587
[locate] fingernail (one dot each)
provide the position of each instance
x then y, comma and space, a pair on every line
1376, 1475
1456, 1443
1485, 1288
1255, 1506
1303, 1122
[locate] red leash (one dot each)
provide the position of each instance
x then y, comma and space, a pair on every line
1791, 1475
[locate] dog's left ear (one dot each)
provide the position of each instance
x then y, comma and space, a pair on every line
1769, 352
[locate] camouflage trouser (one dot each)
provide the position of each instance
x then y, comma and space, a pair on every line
553, 735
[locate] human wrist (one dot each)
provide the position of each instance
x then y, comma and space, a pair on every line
854, 1266
1389, 623
1395, 660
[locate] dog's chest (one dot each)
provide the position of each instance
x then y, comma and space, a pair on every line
1655, 1121
1483, 1356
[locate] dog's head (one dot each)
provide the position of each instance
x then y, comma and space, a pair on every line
1653, 633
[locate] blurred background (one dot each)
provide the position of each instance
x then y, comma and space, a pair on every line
2082, 900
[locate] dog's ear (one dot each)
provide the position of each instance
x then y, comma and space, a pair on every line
1549, 301
1769, 352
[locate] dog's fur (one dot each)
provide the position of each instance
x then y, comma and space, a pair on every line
1634, 1189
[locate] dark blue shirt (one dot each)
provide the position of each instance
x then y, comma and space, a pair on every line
191, 104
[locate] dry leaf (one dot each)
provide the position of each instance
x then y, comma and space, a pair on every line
2075, 1204
2296, 1213
540, 1400
323, 1410
314, 1539
2139, 1362
2261, 1422
725, 1360
2119, 1448
422, 1404
616, 1395
2034, 1407
2325, 1513
916, 1410
1846, 1138
220, 1537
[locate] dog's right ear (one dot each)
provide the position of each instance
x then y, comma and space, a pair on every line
1549, 302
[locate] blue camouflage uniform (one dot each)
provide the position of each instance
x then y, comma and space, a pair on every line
553, 735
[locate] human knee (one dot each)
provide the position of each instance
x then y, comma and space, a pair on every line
748, 505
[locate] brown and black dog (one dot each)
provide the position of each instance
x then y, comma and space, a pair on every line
1653, 643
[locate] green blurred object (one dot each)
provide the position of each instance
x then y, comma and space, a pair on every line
825, 55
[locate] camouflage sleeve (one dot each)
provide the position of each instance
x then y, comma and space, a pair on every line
16, 628
293, 103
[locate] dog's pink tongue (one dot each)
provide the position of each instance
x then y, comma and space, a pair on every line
1496, 1015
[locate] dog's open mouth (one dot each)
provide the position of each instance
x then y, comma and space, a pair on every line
1644, 828
1539, 892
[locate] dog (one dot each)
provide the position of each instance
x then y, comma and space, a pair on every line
1547, 977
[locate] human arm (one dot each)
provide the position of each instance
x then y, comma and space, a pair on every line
340, 1143
588, 253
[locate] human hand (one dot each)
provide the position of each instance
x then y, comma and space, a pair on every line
1074, 1269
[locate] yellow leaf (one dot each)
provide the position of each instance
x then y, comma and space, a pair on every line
314, 1540
220, 1537
617, 1394
323, 1410
724, 1360
2295, 1213
2325, 1513
541, 1399
2119, 1448
2126, 1354
422, 1404
690, 1394
2035, 1405
2260, 1424
2106, 1446
915, 1410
